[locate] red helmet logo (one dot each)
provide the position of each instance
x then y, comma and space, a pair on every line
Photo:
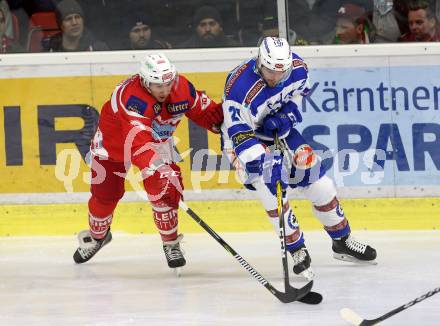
279, 65
167, 76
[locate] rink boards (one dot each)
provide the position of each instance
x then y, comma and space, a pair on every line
373, 115
222, 216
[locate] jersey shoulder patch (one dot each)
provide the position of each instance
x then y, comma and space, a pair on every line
240, 81
253, 92
136, 104
232, 78
298, 62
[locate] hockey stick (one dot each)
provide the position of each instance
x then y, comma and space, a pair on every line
290, 295
311, 297
353, 318
282, 226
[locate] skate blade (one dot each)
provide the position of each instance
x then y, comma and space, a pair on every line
351, 259
177, 271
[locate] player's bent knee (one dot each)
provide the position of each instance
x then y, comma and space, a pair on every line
321, 192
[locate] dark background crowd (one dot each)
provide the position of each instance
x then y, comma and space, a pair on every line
94, 25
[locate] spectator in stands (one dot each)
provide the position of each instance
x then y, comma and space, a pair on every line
352, 25
250, 18
385, 21
9, 30
423, 26
141, 35
7, 45
74, 36
208, 30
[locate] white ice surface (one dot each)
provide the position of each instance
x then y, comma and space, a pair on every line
128, 282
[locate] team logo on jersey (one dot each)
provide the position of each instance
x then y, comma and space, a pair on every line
162, 131
234, 77
205, 101
304, 157
339, 210
241, 137
135, 104
178, 108
157, 108
256, 88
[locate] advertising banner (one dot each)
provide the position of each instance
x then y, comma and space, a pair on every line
376, 125
48, 124
373, 120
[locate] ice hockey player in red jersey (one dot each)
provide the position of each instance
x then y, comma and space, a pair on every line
136, 127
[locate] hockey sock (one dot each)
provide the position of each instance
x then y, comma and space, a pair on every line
294, 236
166, 221
100, 216
332, 217
99, 225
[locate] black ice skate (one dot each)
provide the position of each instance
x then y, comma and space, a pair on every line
173, 253
348, 249
301, 262
88, 246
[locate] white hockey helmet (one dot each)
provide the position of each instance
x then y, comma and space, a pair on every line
156, 68
274, 53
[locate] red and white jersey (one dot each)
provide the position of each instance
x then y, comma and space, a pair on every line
133, 123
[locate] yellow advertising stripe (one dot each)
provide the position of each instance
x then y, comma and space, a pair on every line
223, 216
36, 106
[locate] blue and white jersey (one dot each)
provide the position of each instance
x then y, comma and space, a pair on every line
247, 100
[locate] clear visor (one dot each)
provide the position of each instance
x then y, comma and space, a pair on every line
158, 86
162, 85
273, 77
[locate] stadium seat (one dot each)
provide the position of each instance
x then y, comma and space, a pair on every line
42, 25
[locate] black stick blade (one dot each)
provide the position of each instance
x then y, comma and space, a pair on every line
311, 298
293, 294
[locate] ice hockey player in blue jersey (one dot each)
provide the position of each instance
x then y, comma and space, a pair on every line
262, 97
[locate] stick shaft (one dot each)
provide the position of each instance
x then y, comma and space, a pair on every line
282, 225
406, 306
291, 294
